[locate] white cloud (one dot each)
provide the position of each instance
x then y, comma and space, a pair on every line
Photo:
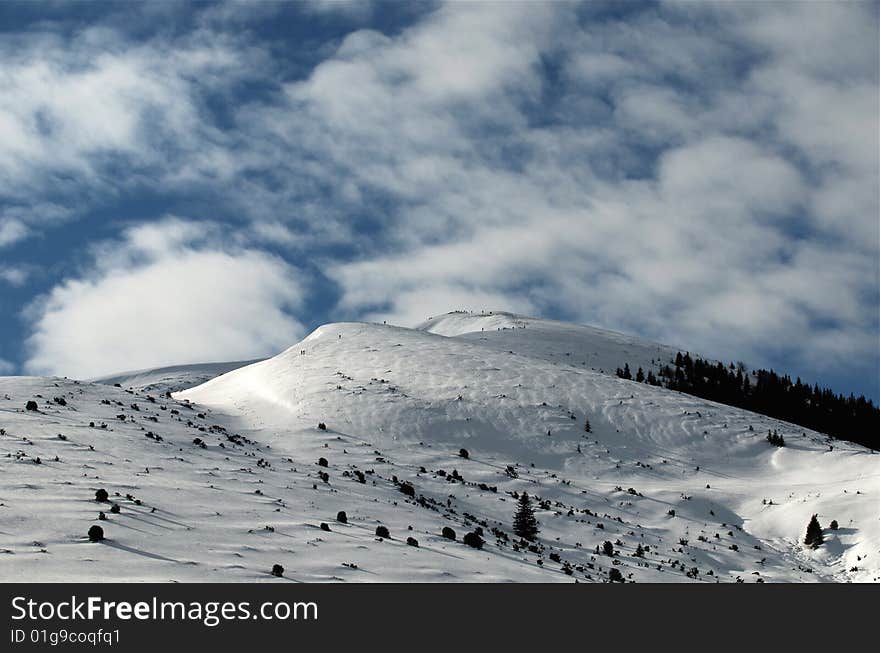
11, 231
713, 247
77, 110
13, 275
165, 296
6, 367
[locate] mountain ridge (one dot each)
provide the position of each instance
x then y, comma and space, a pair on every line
417, 431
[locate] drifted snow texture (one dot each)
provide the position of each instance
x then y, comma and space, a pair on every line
222, 482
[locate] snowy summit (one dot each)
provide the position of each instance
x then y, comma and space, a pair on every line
372, 453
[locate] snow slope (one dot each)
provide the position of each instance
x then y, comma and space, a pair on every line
690, 481
170, 379
558, 342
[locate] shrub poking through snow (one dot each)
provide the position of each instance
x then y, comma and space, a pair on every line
412, 541
607, 548
322, 426
341, 517
382, 531
408, 489
322, 462
775, 439
448, 533
325, 526
813, 537
464, 453
473, 540
833, 525
615, 576
31, 405
277, 571
115, 508
96, 533
101, 495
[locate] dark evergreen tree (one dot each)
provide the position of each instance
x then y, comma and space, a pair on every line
846, 417
814, 533
524, 523
640, 375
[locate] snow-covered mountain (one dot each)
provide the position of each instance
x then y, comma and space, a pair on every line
223, 481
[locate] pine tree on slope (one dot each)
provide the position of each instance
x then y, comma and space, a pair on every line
524, 523
814, 533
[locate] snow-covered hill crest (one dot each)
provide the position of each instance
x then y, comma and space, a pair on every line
563, 343
423, 429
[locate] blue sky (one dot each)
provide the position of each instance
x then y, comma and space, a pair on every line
193, 182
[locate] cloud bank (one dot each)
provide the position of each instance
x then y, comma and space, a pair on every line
165, 295
699, 173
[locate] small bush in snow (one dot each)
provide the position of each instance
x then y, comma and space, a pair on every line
115, 508
101, 495
448, 533
615, 576
277, 570
96, 533
341, 517
31, 405
607, 548
464, 453
322, 462
474, 540
408, 489
775, 439
322, 426
382, 531
833, 525
325, 526
412, 541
